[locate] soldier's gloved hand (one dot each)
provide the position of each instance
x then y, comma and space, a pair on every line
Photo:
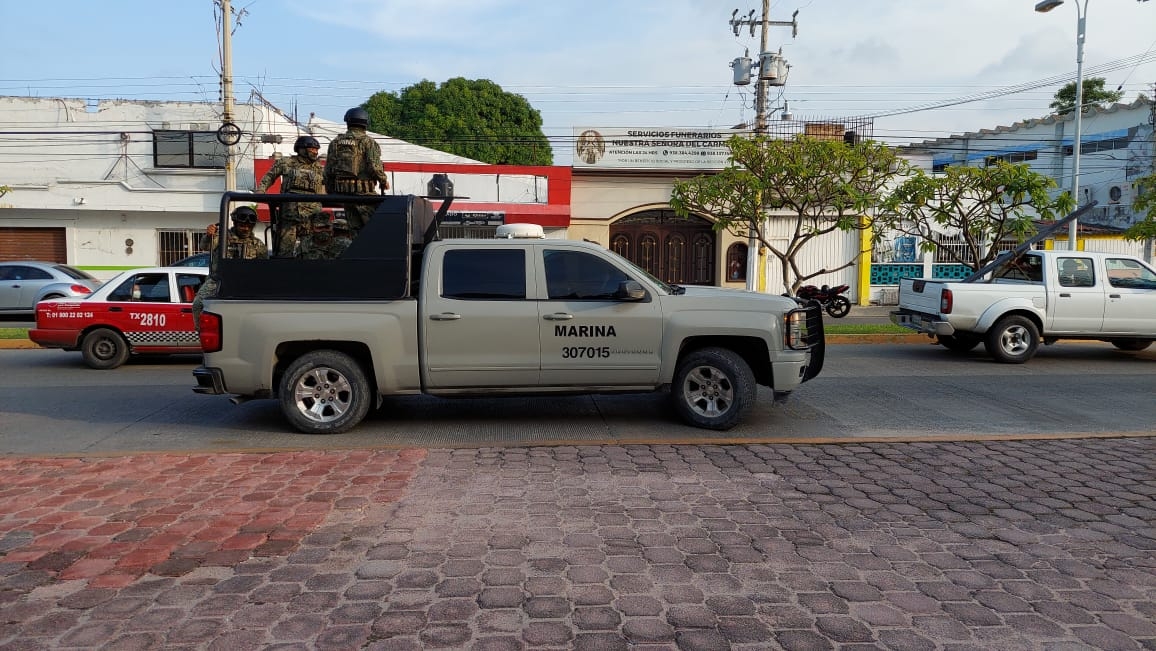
211, 229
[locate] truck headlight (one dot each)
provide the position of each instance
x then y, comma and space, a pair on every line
795, 329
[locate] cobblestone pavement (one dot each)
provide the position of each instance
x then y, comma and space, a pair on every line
992, 545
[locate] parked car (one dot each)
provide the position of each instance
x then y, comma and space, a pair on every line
140, 311
24, 283
194, 260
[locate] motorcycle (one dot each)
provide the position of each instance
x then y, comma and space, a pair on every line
829, 297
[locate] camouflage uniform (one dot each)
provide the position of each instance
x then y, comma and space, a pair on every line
360, 175
320, 245
244, 248
341, 233
298, 175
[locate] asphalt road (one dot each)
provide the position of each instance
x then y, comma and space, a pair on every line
51, 404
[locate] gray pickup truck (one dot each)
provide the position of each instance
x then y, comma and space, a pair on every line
403, 312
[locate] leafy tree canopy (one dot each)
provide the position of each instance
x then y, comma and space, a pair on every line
1094, 95
984, 205
822, 185
471, 118
1145, 204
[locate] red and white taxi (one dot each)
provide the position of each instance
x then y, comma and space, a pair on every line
138, 311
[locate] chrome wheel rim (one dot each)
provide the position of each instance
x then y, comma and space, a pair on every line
323, 395
708, 392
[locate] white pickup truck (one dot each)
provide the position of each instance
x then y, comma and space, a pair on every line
1037, 297
404, 312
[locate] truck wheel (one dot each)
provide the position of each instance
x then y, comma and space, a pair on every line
324, 392
1013, 339
839, 306
1132, 344
961, 343
104, 348
713, 388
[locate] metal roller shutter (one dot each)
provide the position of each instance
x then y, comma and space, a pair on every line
46, 244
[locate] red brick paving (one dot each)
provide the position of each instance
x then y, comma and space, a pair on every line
112, 520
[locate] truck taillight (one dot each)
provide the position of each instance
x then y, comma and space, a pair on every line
210, 332
945, 302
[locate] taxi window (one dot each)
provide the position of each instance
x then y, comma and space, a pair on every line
187, 286
147, 288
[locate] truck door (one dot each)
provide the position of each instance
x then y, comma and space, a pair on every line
1079, 299
479, 326
589, 336
1131, 306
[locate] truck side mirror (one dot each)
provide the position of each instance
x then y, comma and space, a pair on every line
630, 290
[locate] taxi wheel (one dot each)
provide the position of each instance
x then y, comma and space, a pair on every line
713, 388
104, 348
324, 392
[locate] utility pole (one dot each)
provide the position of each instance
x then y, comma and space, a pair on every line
227, 90
772, 72
1152, 124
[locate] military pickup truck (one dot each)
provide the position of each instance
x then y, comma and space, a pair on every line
402, 312
1031, 297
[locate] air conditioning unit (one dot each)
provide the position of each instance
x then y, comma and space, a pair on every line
1121, 194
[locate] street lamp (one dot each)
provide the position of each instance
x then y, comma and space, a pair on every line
1044, 6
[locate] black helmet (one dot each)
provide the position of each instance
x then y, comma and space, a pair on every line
245, 215
306, 141
357, 116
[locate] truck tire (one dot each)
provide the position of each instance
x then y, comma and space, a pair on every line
104, 348
1132, 344
713, 388
324, 392
960, 343
1013, 339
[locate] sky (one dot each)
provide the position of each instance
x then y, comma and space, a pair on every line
592, 63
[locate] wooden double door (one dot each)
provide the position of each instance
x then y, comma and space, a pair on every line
679, 250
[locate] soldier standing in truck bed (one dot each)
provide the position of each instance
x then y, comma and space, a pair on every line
299, 174
353, 166
320, 244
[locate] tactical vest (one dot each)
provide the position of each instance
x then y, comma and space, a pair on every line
345, 158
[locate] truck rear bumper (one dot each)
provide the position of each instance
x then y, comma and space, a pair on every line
209, 381
920, 322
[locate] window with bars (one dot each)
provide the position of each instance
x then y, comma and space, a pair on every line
177, 244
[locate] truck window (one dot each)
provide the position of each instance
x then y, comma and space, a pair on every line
484, 274
1129, 273
1075, 272
576, 275
1028, 268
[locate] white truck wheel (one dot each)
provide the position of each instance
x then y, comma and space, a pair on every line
713, 388
1013, 339
324, 392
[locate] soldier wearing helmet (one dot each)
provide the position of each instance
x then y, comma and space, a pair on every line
241, 243
320, 244
353, 166
299, 174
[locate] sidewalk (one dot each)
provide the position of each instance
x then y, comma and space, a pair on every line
995, 545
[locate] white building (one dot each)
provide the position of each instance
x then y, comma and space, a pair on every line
115, 184
1116, 150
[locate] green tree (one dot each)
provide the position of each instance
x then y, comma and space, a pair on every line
824, 186
4, 190
1145, 204
1094, 95
471, 118
983, 205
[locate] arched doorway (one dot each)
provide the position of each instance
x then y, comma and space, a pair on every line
671, 248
